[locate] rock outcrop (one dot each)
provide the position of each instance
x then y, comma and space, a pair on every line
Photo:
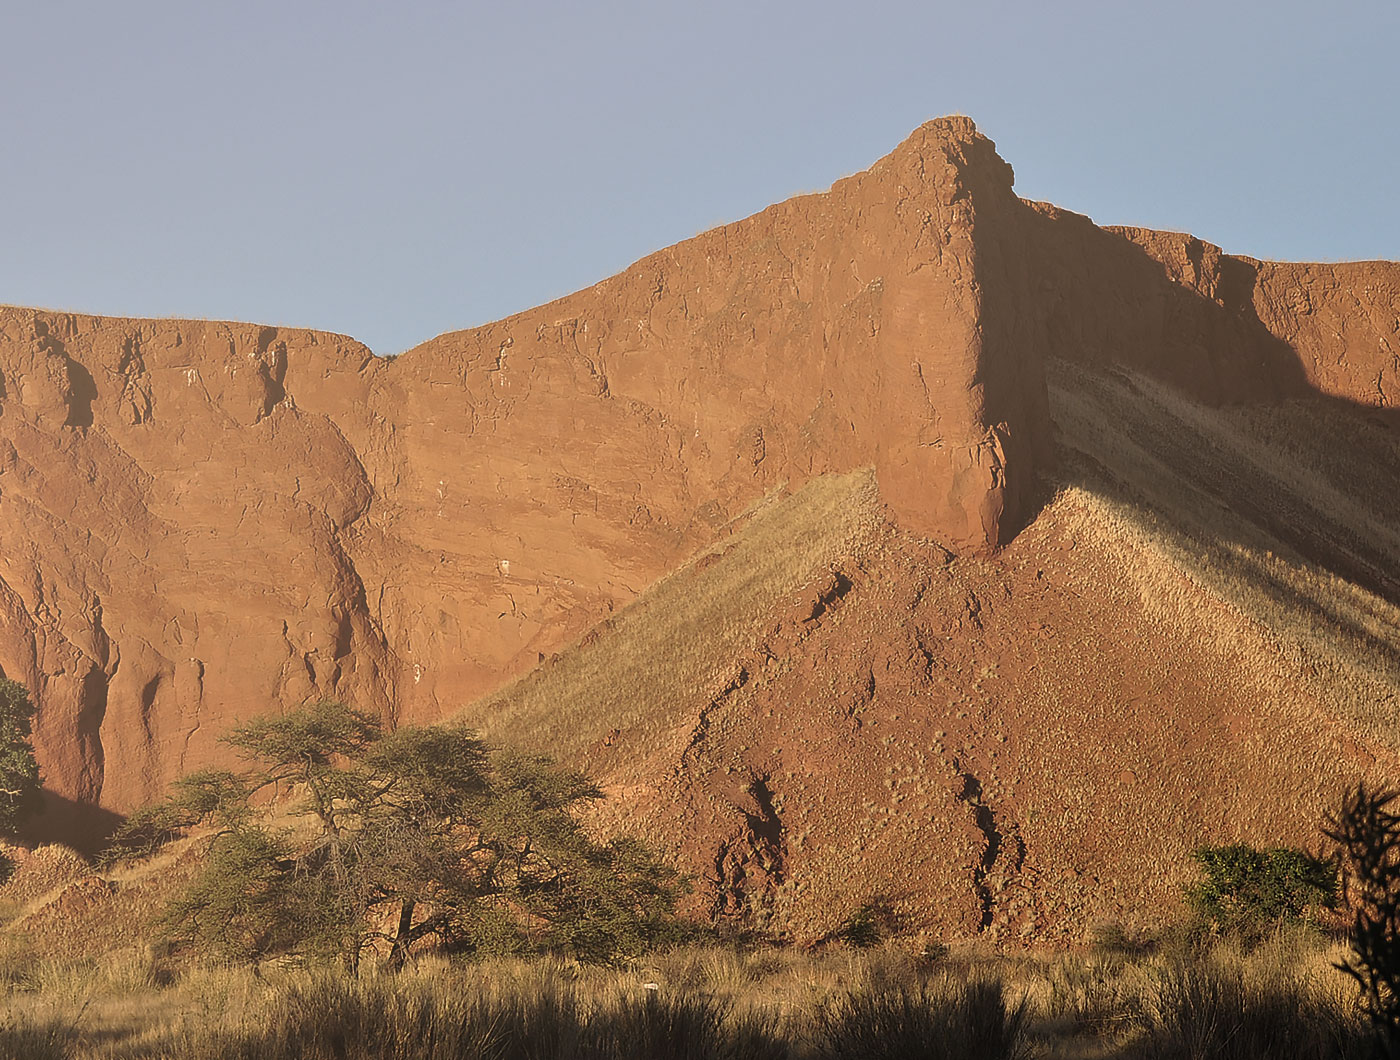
200, 521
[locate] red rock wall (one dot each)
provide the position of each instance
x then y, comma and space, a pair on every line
1224, 328
200, 521
171, 543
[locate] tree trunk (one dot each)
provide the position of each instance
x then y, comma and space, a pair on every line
398, 955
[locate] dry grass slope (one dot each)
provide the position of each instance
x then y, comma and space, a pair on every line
1289, 514
646, 668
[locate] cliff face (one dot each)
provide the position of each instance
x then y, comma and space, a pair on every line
172, 543
1222, 328
200, 521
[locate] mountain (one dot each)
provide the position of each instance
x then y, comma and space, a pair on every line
907, 541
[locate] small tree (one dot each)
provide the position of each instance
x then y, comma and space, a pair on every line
416, 833
1368, 832
1246, 890
19, 773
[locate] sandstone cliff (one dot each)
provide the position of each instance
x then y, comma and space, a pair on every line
202, 520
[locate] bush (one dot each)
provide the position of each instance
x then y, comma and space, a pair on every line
872, 922
1247, 891
19, 774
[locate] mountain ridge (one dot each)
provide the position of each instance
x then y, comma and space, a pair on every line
200, 521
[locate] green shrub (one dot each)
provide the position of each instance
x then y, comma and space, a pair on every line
19, 774
873, 921
1246, 891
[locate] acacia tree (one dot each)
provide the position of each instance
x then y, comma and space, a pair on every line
19, 773
396, 837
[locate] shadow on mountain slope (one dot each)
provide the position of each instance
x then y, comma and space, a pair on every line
1288, 511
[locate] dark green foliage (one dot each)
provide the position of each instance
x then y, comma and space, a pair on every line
19, 773
249, 901
1204, 1010
413, 834
1368, 833
861, 928
871, 923
209, 794
606, 901
306, 742
958, 1021
933, 952
1246, 891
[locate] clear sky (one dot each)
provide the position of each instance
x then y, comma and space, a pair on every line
395, 170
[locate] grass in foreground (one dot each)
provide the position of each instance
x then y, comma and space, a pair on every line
1283, 999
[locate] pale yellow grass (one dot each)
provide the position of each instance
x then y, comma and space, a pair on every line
1080, 1005
1201, 504
647, 666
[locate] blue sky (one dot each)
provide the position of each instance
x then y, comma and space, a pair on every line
393, 171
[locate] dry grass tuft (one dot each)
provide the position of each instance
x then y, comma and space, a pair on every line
704, 1003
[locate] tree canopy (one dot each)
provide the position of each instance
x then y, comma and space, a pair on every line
394, 837
19, 773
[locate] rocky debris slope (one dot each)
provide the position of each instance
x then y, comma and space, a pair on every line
199, 521
1012, 748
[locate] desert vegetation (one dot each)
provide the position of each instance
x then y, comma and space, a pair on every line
1246, 892
295, 936
355, 893
1280, 998
19, 773
382, 841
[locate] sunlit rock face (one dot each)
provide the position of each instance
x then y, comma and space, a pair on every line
203, 521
